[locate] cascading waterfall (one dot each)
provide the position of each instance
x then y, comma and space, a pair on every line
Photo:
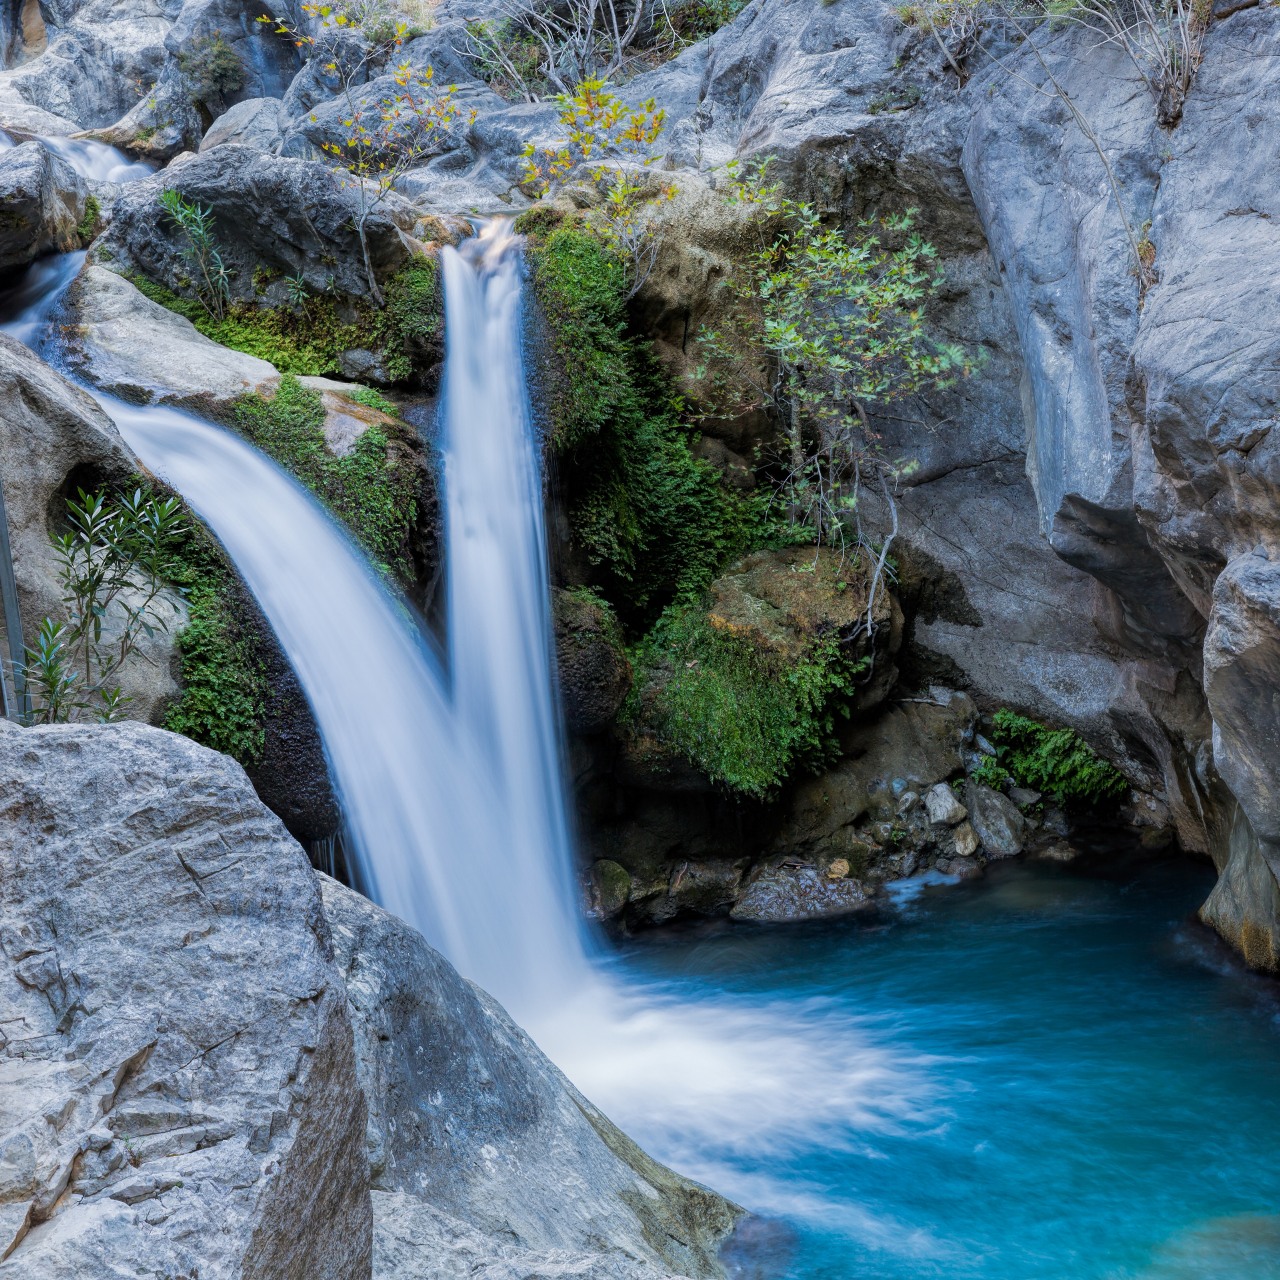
449, 767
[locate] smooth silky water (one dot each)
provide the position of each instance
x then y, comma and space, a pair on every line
1043, 1075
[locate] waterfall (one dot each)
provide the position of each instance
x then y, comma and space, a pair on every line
448, 764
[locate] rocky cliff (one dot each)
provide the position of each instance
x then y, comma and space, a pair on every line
1088, 535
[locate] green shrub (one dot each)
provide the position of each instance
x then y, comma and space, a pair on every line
373, 400
748, 716
1057, 762
212, 68
654, 521
309, 340
223, 689
372, 490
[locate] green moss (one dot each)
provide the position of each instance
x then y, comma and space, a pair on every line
373, 489
748, 716
309, 340
87, 227
653, 520
1056, 761
374, 400
409, 330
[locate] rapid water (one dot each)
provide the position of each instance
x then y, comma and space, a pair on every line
1010, 1081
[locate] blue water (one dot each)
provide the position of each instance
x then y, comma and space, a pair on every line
1085, 1084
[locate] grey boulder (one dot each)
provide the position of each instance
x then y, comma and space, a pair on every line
996, 820
256, 123
181, 1096
481, 1154
942, 805
42, 201
782, 893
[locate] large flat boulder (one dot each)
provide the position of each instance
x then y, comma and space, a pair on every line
180, 1087
138, 350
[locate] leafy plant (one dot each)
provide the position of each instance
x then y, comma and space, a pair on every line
113, 562
822, 325
212, 67
1056, 761
610, 144
745, 714
200, 249
382, 137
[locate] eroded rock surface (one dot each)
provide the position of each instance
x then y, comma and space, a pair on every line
42, 203
181, 1085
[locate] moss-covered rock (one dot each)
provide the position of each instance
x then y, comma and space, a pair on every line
592, 665
649, 519
751, 684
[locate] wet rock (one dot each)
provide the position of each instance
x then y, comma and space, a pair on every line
133, 348
942, 805
997, 820
479, 1151
42, 203
1023, 797
783, 893
186, 1096
1057, 851
962, 866
592, 668
838, 868
611, 884
1244, 906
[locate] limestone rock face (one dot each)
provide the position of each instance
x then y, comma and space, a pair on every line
42, 201
138, 350
480, 1151
54, 439
285, 215
182, 1095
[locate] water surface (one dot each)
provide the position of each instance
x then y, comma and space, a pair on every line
1077, 1081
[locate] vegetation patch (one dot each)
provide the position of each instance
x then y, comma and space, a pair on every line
223, 693
373, 489
87, 227
747, 714
653, 521
1057, 762
309, 337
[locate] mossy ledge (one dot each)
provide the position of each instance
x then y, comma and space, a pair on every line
373, 489
405, 337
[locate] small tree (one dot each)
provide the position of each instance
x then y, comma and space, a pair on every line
382, 136
821, 325
533, 45
610, 145
113, 562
